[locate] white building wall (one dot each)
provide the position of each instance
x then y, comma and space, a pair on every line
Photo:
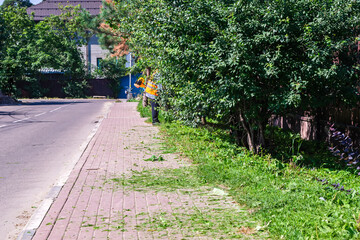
94, 52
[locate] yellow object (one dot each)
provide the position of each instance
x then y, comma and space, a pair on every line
140, 83
151, 87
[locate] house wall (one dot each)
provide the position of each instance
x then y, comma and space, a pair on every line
96, 52
92, 52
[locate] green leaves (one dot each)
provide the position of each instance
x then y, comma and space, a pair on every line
58, 43
15, 56
221, 58
112, 68
27, 47
16, 3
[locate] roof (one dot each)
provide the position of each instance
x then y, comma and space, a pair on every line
51, 7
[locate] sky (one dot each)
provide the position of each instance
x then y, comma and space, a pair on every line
32, 1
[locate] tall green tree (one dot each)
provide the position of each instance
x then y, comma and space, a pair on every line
16, 3
27, 48
58, 45
111, 39
112, 69
2, 42
241, 61
58, 42
16, 57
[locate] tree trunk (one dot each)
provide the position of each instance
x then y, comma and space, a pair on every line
255, 137
203, 120
249, 137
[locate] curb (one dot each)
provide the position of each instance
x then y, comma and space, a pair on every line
36, 219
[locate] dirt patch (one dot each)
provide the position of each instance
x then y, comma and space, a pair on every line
20, 223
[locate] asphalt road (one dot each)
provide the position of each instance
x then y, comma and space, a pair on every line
40, 141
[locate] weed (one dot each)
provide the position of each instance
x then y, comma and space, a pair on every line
202, 222
167, 150
132, 100
285, 195
159, 180
146, 113
153, 158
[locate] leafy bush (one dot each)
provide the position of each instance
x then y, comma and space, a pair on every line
33, 87
283, 144
239, 62
27, 47
146, 113
113, 69
75, 88
287, 199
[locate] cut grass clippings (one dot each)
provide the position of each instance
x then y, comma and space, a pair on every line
287, 197
219, 218
202, 222
166, 180
154, 158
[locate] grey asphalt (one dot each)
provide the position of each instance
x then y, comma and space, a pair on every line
40, 141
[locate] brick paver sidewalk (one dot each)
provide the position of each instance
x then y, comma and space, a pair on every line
93, 204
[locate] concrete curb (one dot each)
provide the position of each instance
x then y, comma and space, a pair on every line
33, 224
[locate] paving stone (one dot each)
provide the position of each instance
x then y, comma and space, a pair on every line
92, 205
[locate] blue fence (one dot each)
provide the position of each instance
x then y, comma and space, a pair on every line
124, 84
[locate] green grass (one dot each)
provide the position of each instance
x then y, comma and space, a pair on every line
202, 222
132, 100
146, 113
213, 220
154, 158
167, 180
285, 194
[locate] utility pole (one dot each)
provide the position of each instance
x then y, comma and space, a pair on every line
129, 90
130, 74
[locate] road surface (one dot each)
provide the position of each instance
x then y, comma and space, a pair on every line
40, 141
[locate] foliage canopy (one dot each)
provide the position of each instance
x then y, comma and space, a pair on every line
240, 61
28, 47
16, 3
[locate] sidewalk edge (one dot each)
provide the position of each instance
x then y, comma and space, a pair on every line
36, 219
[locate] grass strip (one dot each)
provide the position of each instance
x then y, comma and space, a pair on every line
286, 197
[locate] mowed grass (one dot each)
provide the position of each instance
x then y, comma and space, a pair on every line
219, 218
289, 197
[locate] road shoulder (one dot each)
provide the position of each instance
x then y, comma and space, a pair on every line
39, 214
